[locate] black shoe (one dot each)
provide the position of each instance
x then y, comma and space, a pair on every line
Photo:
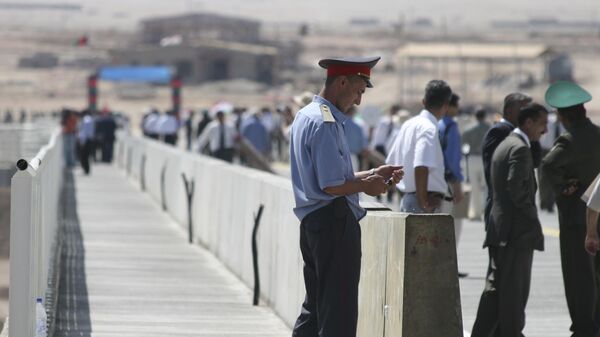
462, 275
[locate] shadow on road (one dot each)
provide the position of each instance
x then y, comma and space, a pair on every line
73, 310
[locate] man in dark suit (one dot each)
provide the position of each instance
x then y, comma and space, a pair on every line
570, 167
514, 230
106, 127
496, 134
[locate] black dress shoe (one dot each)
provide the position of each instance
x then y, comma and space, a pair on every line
462, 275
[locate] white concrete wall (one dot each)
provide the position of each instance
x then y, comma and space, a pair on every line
34, 223
225, 201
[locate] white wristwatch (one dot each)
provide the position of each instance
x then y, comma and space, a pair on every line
372, 172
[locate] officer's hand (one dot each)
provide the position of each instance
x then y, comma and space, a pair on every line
375, 185
397, 175
387, 171
592, 244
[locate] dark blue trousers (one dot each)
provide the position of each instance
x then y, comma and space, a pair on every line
330, 245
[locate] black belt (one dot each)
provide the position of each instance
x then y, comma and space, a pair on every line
338, 207
436, 195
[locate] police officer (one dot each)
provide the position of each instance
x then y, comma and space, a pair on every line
570, 167
326, 193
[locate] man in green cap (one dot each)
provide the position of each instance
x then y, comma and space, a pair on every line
571, 166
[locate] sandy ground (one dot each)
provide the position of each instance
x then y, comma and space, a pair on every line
48, 89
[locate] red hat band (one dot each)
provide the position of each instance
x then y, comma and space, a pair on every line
340, 70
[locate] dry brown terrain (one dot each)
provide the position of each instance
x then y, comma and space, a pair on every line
47, 89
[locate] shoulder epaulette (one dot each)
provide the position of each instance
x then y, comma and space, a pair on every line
326, 114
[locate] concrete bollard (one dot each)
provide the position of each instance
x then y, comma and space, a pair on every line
419, 295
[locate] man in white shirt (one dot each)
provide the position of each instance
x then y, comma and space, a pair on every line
399, 119
85, 137
150, 124
168, 126
220, 137
417, 147
591, 197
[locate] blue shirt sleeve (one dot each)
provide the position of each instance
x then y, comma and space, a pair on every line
452, 153
328, 156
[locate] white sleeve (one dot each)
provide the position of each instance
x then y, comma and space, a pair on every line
425, 151
594, 197
394, 156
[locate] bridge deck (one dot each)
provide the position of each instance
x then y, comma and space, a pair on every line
546, 314
128, 271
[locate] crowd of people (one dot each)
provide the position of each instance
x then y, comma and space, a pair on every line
425, 157
217, 130
89, 136
428, 158
25, 116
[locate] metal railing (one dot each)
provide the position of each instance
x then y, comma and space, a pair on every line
23, 140
35, 197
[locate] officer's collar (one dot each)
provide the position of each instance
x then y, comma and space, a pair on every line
579, 124
339, 116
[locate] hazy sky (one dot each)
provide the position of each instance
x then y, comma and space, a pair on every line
125, 13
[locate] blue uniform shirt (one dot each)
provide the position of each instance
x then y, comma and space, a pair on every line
452, 150
320, 157
355, 136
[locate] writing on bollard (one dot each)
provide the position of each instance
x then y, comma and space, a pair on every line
433, 240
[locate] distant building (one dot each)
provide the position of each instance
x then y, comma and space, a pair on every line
529, 64
39, 60
544, 25
201, 25
207, 60
368, 22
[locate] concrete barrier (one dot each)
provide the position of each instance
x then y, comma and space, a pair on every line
409, 283
34, 239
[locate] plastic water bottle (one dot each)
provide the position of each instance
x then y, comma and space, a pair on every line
41, 329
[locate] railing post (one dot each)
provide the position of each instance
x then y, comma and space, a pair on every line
255, 256
189, 191
143, 172
162, 187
